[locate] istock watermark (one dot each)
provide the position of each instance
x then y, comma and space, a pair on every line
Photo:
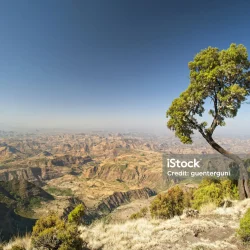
172, 163
178, 167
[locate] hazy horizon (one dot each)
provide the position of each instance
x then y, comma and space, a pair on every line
108, 65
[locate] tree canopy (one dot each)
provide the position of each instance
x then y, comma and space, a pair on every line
222, 76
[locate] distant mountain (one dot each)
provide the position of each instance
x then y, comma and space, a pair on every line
7, 152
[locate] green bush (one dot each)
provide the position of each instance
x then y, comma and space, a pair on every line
76, 215
15, 247
214, 191
51, 232
230, 189
35, 202
169, 204
207, 194
244, 230
141, 214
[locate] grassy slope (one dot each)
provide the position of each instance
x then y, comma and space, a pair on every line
212, 230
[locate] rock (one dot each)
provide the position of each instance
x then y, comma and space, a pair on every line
227, 203
33, 175
193, 213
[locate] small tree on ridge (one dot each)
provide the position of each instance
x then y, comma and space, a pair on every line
222, 76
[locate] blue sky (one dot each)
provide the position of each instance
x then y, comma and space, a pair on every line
107, 64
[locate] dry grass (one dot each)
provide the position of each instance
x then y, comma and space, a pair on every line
236, 211
208, 208
145, 234
24, 241
214, 229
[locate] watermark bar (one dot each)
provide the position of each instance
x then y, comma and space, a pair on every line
178, 167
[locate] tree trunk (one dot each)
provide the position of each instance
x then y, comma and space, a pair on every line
243, 186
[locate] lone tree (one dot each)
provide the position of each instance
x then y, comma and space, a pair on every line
223, 77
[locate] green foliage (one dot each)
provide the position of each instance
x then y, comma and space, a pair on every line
59, 191
206, 194
51, 232
214, 191
168, 204
220, 76
229, 189
35, 202
244, 230
141, 214
15, 247
76, 215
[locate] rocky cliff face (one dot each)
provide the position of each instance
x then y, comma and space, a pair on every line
139, 175
67, 160
7, 152
30, 174
119, 198
110, 203
22, 190
43, 169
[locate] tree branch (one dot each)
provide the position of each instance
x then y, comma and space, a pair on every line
214, 123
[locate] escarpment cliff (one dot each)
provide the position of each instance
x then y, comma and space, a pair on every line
135, 175
111, 202
30, 174
40, 170
119, 198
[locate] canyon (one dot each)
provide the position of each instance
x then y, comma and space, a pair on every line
101, 170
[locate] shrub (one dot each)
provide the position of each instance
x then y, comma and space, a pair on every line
214, 191
35, 202
169, 204
229, 189
188, 197
51, 232
76, 215
244, 230
208, 181
207, 194
15, 247
142, 213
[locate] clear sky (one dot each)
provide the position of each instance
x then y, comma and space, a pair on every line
107, 63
